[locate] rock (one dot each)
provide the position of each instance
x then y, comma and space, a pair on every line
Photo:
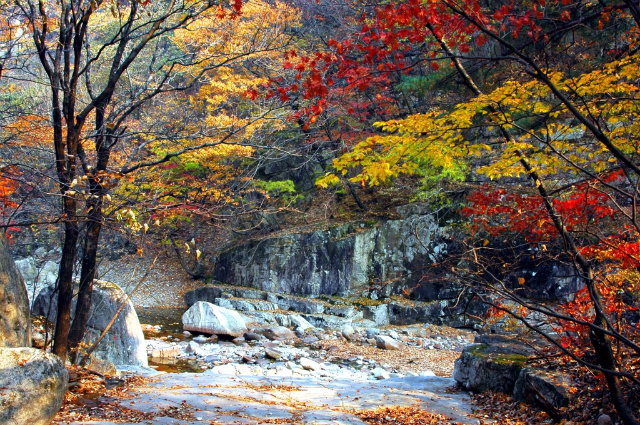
394, 335
300, 322
339, 260
408, 312
347, 311
124, 343
15, 322
604, 420
205, 293
427, 373
348, 332
166, 353
377, 313
38, 340
310, 339
545, 389
103, 367
327, 321
484, 367
225, 369
372, 332
380, 373
278, 332
272, 353
388, 343
32, 386
309, 364
192, 347
209, 318
252, 336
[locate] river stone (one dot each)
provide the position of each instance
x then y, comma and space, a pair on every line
388, 343
278, 332
124, 343
272, 353
32, 386
309, 364
209, 318
15, 323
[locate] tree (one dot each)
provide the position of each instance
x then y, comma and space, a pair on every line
551, 113
103, 63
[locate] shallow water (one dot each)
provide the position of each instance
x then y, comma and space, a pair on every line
171, 321
169, 318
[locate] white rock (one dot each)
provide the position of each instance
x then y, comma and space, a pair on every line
380, 373
298, 321
310, 364
427, 373
225, 369
209, 318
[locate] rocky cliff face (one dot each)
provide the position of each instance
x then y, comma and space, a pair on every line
351, 259
15, 323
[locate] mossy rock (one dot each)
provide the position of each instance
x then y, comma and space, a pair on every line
483, 367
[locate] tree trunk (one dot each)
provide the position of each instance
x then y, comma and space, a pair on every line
65, 281
87, 276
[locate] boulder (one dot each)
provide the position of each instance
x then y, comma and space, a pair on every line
32, 386
484, 367
546, 389
15, 323
124, 343
278, 332
209, 318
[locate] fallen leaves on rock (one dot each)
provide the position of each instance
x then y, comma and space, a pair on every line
589, 399
409, 359
93, 397
398, 415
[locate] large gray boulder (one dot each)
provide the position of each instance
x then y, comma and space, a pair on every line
483, 367
209, 318
124, 343
15, 323
32, 386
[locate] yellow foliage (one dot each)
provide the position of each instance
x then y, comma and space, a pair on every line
545, 131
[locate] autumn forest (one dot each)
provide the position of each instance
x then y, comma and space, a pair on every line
189, 125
